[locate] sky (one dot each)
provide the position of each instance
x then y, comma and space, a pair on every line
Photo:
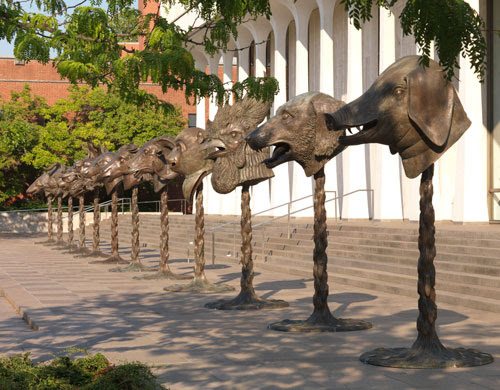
7, 49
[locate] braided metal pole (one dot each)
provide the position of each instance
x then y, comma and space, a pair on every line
164, 255
59, 221
97, 221
199, 240
135, 226
70, 222
81, 213
427, 350
50, 219
321, 319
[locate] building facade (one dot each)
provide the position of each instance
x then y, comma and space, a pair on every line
309, 45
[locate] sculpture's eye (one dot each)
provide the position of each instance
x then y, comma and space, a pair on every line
234, 134
285, 116
399, 92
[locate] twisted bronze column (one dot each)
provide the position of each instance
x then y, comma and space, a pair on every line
135, 264
247, 299
81, 213
164, 271
321, 319
199, 284
115, 257
70, 223
59, 221
427, 350
97, 222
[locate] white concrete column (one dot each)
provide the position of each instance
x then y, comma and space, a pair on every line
243, 64
326, 83
213, 64
384, 167
260, 193
200, 113
227, 77
279, 185
470, 202
301, 55
354, 159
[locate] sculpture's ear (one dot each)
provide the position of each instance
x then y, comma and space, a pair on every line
166, 142
430, 105
326, 142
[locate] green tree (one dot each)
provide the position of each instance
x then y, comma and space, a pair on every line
86, 42
454, 26
100, 117
21, 118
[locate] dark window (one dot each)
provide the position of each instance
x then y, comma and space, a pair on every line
191, 120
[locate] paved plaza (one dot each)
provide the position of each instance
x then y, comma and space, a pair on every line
75, 304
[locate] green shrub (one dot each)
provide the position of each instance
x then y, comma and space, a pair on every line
91, 372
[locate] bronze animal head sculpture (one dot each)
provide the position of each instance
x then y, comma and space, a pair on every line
235, 163
49, 182
299, 133
95, 170
189, 158
150, 163
413, 109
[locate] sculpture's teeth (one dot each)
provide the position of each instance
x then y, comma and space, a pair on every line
349, 130
360, 128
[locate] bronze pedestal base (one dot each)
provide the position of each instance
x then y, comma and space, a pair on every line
315, 326
246, 301
114, 259
133, 267
426, 358
165, 275
199, 286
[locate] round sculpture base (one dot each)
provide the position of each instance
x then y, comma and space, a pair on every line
132, 267
163, 275
82, 252
95, 254
111, 260
46, 242
200, 286
422, 358
307, 326
246, 301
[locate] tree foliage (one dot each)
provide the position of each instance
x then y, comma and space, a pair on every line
454, 26
20, 119
34, 135
87, 42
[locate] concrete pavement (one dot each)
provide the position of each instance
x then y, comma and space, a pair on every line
73, 303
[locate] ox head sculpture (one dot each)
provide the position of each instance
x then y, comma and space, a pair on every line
411, 108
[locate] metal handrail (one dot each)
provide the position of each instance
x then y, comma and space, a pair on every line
335, 198
289, 204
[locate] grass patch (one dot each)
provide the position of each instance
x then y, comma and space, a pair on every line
90, 372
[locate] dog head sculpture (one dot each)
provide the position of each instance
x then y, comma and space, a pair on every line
413, 109
299, 133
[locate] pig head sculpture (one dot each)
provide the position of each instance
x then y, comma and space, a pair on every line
189, 158
413, 109
236, 164
150, 163
299, 133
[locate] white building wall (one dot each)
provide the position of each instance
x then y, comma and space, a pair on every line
326, 53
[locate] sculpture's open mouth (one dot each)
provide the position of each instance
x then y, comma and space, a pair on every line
359, 133
281, 153
218, 149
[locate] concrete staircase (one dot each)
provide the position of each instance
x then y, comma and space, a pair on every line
378, 256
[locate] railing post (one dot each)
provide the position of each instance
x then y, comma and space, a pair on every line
213, 247
288, 220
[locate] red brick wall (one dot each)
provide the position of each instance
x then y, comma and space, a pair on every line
45, 81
